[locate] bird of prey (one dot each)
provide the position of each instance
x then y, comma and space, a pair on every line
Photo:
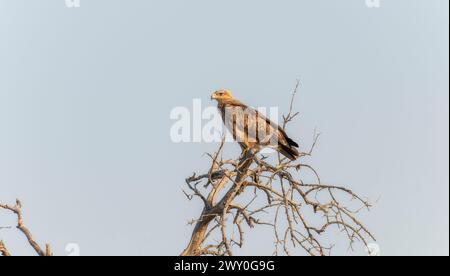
251, 129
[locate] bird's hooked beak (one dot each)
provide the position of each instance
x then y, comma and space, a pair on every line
213, 96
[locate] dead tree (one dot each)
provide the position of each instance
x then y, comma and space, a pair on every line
17, 210
254, 191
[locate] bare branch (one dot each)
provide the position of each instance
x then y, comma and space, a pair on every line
3, 250
17, 209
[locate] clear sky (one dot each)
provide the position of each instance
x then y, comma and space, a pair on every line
86, 94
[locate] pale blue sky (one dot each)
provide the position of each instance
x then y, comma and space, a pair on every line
85, 98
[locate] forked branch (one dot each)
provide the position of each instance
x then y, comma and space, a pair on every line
17, 210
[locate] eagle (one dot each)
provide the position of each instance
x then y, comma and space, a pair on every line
251, 129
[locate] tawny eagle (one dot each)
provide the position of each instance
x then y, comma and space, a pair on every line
251, 129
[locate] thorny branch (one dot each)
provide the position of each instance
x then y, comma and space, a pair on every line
17, 210
281, 196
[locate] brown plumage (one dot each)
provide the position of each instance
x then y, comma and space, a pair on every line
251, 129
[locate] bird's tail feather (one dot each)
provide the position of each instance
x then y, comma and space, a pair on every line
291, 142
289, 152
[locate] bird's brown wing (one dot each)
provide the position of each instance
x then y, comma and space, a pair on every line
284, 144
250, 128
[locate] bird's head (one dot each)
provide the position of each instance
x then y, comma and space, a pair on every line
222, 95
